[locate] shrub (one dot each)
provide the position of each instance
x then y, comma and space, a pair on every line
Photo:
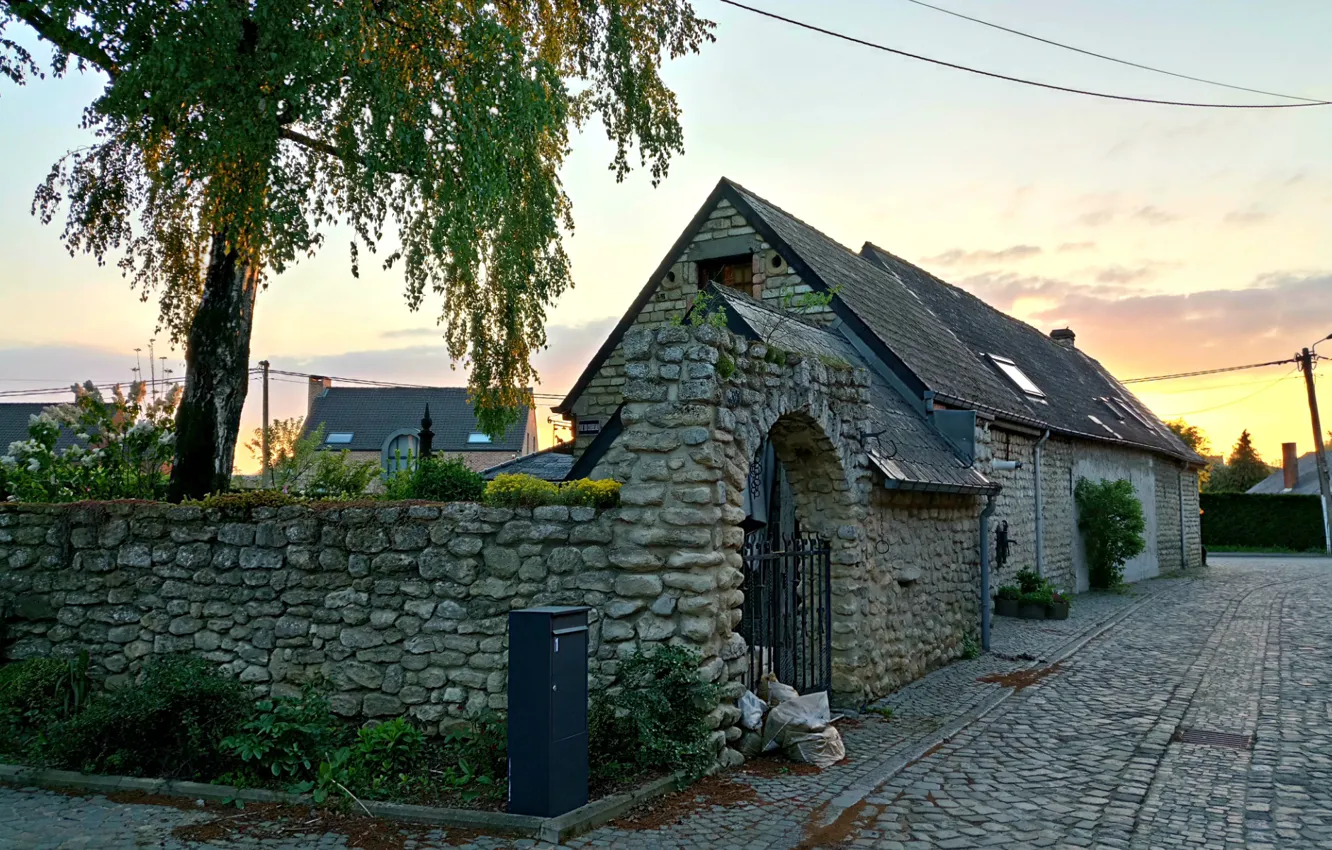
508, 490
447, 480
384, 759
1009, 591
604, 493
169, 724
1028, 580
30, 695
725, 367
1262, 521
656, 719
337, 475
286, 738
124, 449
1111, 520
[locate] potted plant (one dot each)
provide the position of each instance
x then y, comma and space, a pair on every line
1006, 601
1057, 609
1031, 606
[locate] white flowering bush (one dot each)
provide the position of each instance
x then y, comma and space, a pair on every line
123, 451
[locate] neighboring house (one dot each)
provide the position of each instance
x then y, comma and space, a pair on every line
383, 424
964, 407
14, 418
552, 464
1298, 474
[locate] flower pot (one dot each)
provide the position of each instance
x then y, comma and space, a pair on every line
1031, 610
1006, 607
1056, 611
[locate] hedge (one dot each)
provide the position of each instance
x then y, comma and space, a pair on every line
1262, 521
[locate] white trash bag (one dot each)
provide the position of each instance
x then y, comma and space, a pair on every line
774, 692
822, 749
798, 716
752, 710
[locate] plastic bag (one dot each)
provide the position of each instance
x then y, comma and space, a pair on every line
774, 692
809, 713
752, 710
750, 745
822, 749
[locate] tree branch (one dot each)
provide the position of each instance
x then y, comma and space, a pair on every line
68, 40
314, 144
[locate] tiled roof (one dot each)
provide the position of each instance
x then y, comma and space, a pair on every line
552, 464
1072, 381
909, 452
1306, 484
14, 423
373, 414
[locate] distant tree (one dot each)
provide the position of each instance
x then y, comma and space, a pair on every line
230, 136
282, 437
1196, 439
1244, 468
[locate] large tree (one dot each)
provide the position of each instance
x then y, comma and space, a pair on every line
232, 134
1196, 439
1244, 468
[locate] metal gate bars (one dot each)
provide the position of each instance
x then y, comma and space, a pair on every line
787, 614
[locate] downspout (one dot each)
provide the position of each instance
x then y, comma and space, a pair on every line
988, 512
1040, 511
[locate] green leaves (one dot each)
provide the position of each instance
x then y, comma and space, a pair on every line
1112, 524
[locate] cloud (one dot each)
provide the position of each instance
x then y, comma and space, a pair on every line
1096, 218
959, 257
1249, 215
1154, 215
410, 333
1074, 247
1140, 333
1123, 274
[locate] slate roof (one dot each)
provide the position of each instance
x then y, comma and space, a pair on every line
14, 423
552, 464
373, 414
1305, 485
910, 452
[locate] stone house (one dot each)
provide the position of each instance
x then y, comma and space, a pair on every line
383, 424
866, 436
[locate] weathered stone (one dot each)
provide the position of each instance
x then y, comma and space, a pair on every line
360, 638
346, 596
638, 586
653, 628
290, 627
503, 563
260, 559
620, 608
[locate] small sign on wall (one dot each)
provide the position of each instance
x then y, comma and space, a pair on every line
589, 427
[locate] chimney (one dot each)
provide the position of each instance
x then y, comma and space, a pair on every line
1064, 336
318, 386
1290, 465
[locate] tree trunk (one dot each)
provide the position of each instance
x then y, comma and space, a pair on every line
217, 361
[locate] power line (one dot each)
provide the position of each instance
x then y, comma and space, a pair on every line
1059, 44
385, 384
1020, 80
1236, 401
1208, 371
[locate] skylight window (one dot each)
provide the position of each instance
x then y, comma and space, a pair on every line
1017, 376
1113, 408
1111, 431
478, 437
339, 437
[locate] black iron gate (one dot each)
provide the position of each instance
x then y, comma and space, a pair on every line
787, 614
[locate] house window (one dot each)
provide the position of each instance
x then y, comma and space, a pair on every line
733, 273
401, 453
1019, 378
478, 437
338, 438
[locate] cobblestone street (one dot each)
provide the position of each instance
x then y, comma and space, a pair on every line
1074, 743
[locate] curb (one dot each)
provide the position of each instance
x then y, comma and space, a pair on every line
553, 830
856, 794
1310, 555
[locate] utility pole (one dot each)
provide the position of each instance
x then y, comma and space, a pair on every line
152, 369
268, 469
1320, 460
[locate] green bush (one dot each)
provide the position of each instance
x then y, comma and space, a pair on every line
338, 475
1262, 521
1111, 520
30, 696
242, 501
508, 490
169, 724
602, 493
1009, 591
436, 479
656, 719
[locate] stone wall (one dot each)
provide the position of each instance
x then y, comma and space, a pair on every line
921, 587
673, 294
402, 608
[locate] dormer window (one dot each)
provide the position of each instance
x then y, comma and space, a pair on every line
1019, 378
478, 437
338, 438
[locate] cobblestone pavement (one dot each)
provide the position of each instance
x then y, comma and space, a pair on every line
1075, 750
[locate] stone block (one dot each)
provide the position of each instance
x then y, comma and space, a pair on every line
653, 628
261, 559
134, 555
500, 562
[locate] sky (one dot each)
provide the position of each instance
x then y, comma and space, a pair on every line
1170, 239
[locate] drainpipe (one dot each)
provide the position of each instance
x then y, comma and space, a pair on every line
990, 506
1040, 513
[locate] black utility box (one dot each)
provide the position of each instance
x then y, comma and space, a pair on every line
547, 710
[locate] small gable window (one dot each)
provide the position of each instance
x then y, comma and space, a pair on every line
478, 437
1015, 374
732, 273
339, 438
